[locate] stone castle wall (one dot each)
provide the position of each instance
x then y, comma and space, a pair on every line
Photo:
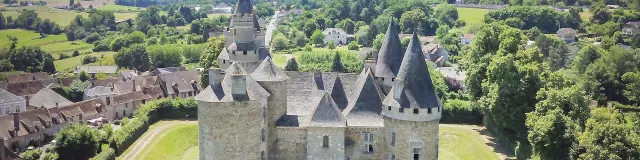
412, 134
225, 132
315, 150
291, 143
276, 108
355, 147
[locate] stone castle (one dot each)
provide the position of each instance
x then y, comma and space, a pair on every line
253, 110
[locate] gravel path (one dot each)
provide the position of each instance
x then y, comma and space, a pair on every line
137, 147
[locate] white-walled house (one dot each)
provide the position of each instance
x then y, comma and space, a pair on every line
337, 35
567, 34
10, 103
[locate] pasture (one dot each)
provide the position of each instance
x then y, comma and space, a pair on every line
472, 15
61, 17
69, 64
120, 8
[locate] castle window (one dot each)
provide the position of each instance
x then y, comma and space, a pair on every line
244, 52
393, 79
438, 108
416, 153
401, 110
389, 107
367, 141
382, 78
325, 142
416, 110
224, 61
393, 138
429, 110
233, 52
108, 100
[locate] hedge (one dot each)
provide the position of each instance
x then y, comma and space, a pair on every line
106, 154
626, 108
148, 114
460, 111
323, 60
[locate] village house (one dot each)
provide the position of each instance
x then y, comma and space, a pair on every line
466, 39
568, 35
631, 28
436, 54
10, 103
337, 35
181, 84
128, 74
103, 93
47, 98
124, 105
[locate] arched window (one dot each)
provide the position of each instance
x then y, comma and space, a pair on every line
325, 142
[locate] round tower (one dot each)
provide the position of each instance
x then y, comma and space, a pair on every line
412, 109
389, 58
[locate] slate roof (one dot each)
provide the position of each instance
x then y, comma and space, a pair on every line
105, 82
48, 98
99, 91
567, 31
126, 87
244, 6
390, 54
7, 97
223, 54
413, 81
222, 93
338, 95
263, 53
303, 92
327, 114
128, 74
365, 105
154, 92
130, 97
85, 108
183, 81
267, 71
25, 88
16, 78
145, 81
96, 69
169, 70
242, 46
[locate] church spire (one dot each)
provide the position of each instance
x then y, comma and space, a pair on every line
390, 54
244, 6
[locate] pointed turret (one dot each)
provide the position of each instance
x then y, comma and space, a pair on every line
338, 94
236, 86
390, 54
365, 104
327, 114
244, 6
413, 87
267, 71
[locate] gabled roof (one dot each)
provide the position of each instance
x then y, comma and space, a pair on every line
223, 92
365, 104
154, 92
331, 30
338, 95
7, 97
267, 71
25, 88
223, 54
327, 114
85, 108
390, 54
99, 91
96, 69
244, 6
303, 92
170, 70
567, 31
413, 87
105, 82
185, 81
48, 98
130, 97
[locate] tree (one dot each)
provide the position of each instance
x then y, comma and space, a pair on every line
75, 53
411, 19
209, 57
364, 36
353, 46
609, 135
205, 31
446, 13
632, 88
83, 76
331, 45
135, 57
554, 51
163, 56
3, 22
264, 10
317, 38
377, 43
71, 2
635, 40
280, 42
337, 66
76, 142
585, 56
33, 154
292, 65
47, 64
348, 25
14, 42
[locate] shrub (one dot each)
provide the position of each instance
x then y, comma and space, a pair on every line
63, 56
106, 154
50, 156
323, 61
89, 59
76, 141
460, 111
75, 53
33, 154
92, 37
331, 45
292, 65
353, 46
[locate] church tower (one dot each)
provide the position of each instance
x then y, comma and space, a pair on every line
244, 39
412, 109
389, 58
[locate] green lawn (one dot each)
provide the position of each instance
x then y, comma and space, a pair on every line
174, 144
280, 60
26, 37
65, 47
68, 65
120, 8
462, 143
472, 15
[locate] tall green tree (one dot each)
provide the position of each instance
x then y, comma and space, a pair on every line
609, 135
280, 42
446, 13
135, 57
410, 20
585, 56
209, 57
292, 65
337, 65
76, 142
162, 56
632, 88
47, 64
317, 38
3, 22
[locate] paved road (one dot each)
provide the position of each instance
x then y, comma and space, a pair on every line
270, 27
143, 141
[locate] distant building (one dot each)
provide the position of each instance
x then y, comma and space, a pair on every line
10, 103
166, 70
181, 84
466, 39
436, 54
221, 8
337, 35
47, 98
631, 28
567, 34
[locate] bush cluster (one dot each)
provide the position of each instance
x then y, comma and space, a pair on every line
460, 111
106, 154
323, 60
148, 114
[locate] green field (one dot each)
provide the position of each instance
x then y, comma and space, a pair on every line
30, 38
120, 8
65, 47
280, 60
472, 15
462, 143
61, 17
173, 144
69, 64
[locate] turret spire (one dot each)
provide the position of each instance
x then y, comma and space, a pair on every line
244, 6
390, 54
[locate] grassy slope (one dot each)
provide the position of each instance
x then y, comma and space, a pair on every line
462, 143
472, 15
26, 37
67, 65
120, 8
174, 144
61, 17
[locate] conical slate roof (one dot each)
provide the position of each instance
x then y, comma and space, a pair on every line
365, 104
326, 114
338, 94
390, 54
223, 93
267, 71
244, 6
413, 87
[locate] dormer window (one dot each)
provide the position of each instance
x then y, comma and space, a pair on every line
416, 110
389, 107
429, 110
244, 52
401, 110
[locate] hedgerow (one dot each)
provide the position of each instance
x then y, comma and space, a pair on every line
322, 60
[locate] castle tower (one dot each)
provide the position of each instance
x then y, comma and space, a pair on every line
325, 132
412, 110
269, 76
232, 121
389, 58
244, 39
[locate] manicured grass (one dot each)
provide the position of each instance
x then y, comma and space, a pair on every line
192, 153
30, 38
280, 60
462, 143
173, 144
472, 15
69, 64
120, 8
67, 46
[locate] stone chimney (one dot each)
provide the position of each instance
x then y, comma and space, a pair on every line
16, 122
215, 77
317, 77
133, 81
238, 84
